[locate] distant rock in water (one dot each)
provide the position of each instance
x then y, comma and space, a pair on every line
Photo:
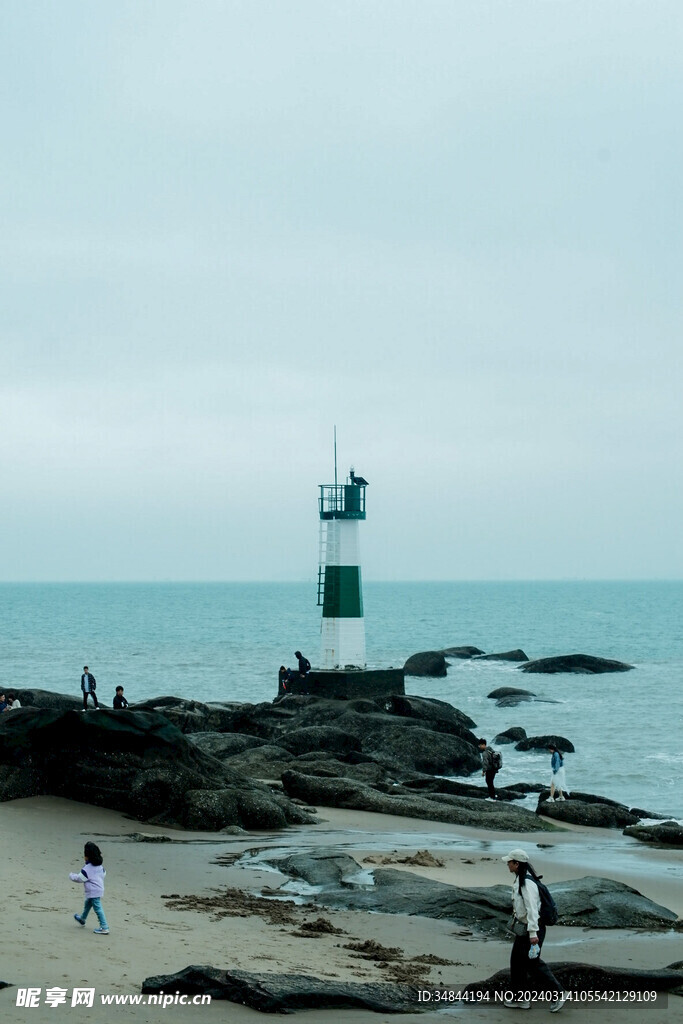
426, 663
462, 652
542, 743
508, 691
516, 655
513, 735
585, 664
669, 833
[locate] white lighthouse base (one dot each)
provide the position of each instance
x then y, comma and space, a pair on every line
343, 643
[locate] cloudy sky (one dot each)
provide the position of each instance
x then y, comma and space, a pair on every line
450, 227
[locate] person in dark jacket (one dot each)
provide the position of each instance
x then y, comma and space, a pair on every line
304, 664
88, 685
488, 767
119, 700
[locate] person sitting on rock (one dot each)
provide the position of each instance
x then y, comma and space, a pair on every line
304, 664
119, 700
12, 702
3, 703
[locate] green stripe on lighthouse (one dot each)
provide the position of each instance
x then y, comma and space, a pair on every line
342, 597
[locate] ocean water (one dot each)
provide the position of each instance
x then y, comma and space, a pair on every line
225, 642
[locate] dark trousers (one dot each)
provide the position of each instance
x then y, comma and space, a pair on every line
490, 776
92, 694
526, 974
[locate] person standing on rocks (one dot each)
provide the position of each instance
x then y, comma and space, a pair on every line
489, 766
558, 781
88, 685
527, 970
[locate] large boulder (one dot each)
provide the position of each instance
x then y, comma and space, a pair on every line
509, 691
437, 713
284, 993
320, 737
666, 833
579, 663
223, 745
426, 663
191, 715
48, 699
136, 762
578, 812
512, 735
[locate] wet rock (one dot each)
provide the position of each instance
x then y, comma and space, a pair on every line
190, 715
345, 792
582, 902
284, 993
542, 742
516, 655
578, 812
513, 735
462, 652
669, 833
426, 663
579, 663
579, 977
133, 761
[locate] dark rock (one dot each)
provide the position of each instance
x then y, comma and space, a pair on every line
582, 902
223, 745
438, 713
320, 738
133, 761
513, 735
669, 833
191, 715
541, 743
426, 663
48, 699
349, 793
579, 977
284, 993
516, 655
462, 652
580, 663
509, 691
577, 812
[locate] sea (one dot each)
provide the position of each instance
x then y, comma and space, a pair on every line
226, 641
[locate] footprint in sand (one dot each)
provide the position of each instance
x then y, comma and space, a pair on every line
39, 910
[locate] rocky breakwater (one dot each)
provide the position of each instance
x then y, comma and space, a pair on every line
132, 761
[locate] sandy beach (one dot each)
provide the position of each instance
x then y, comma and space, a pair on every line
217, 917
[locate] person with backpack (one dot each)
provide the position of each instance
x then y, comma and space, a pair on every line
532, 909
491, 763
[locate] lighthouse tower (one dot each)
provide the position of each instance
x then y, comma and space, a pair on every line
342, 507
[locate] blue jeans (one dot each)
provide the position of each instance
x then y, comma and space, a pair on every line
94, 903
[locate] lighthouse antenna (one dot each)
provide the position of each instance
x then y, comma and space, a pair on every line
335, 456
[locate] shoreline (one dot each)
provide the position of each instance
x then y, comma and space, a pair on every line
149, 938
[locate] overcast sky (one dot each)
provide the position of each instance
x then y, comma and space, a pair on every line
453, 229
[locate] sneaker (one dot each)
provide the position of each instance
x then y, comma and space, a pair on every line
556, 1007
100, 931
80, 920
517, 1004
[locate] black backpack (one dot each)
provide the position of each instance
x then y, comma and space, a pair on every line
497, 759
549, 913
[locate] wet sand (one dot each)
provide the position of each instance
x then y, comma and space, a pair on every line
164, 913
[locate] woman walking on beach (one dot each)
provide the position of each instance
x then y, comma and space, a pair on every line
527, 970
92, 876
558, 781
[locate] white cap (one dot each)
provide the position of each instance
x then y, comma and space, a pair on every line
519, 855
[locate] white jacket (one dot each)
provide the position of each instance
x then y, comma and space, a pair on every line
526, 906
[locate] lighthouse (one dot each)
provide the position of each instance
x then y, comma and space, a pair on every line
340, 592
